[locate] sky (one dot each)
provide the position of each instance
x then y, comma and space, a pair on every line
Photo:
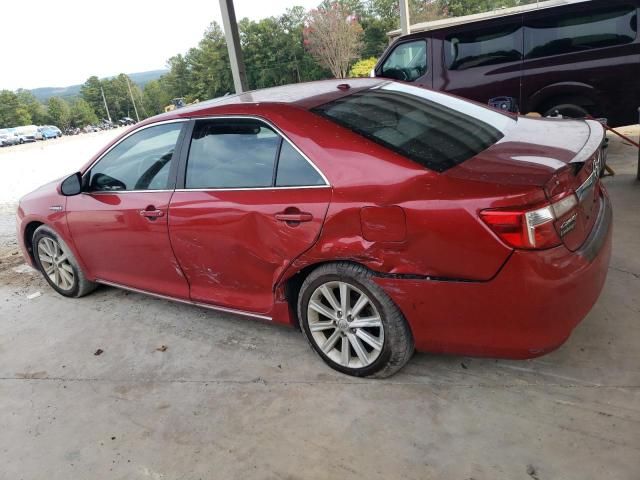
61, 43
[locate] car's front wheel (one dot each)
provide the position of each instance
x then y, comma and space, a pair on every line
352, 323
58, 265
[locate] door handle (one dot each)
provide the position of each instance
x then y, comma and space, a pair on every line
151, 213
292, 217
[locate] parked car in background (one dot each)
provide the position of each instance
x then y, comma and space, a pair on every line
474, 232
55, 129
573, 57
8, 138
127, 121
26, 134
47, 133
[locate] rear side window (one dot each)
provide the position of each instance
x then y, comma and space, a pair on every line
245, 153
294, 170
407, 62
484, 47
430, 128
575, 33
231, 154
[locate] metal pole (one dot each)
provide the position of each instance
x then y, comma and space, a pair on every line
105, 104
405, 26
233, 45
135, 109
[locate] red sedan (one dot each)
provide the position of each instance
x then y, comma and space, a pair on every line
377, 216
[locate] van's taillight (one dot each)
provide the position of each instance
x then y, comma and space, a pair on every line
530, 228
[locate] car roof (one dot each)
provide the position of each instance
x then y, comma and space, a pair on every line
305, 95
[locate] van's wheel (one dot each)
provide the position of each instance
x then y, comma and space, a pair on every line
567, 110
352, 323
58, 265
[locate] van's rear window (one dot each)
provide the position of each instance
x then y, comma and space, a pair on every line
430, 128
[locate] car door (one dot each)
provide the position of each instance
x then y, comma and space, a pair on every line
250, 203
119, 223
482, 63
409, 62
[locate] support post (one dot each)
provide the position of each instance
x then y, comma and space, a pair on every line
405, 26
233, 45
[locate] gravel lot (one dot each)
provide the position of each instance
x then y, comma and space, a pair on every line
232, 398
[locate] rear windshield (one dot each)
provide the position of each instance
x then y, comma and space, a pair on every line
435, 130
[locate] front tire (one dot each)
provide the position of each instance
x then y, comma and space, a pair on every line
58, 265
351, 323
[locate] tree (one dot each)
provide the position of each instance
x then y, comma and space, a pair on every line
37, 111
155, 97
12, 112
362, 68
58, 112
81, 113
333, 36
90, 91
456, 8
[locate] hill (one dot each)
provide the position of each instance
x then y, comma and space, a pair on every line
140, 78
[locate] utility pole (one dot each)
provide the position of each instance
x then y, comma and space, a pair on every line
105, 104
233, 45
132, 100
405, 24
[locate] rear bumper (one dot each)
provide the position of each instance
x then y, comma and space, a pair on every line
529, 308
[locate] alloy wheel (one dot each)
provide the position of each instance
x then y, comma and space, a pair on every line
55, 263
345, 324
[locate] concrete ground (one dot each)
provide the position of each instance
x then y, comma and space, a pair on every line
232, 398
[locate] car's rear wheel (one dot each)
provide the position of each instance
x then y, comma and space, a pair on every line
58, 265
352, 323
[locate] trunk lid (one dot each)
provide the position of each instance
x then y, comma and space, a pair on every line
561, 157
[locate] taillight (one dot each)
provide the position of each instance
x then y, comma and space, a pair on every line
530, 228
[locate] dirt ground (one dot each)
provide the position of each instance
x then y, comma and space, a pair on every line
232, 398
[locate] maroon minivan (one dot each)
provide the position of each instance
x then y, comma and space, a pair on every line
576, 57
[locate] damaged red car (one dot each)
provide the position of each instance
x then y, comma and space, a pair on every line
376, 216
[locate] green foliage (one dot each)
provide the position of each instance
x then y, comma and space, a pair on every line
155, 97
362, 68
81, 113
37, 111
12, 112
455, 8
58, 112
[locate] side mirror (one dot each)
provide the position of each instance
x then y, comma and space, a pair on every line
72, 185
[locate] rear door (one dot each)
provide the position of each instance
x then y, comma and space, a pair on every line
481, 62
250, 203
584, 55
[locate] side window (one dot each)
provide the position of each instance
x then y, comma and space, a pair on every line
407, 62
483, 47
575, 33
225, 153
294, 170
140, 162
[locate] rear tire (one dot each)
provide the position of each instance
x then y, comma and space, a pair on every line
361, 333
59, 267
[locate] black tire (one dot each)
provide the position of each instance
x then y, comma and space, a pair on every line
81, 286
567, 110
398, 346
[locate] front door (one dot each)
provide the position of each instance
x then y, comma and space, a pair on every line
119, 224
251, 204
